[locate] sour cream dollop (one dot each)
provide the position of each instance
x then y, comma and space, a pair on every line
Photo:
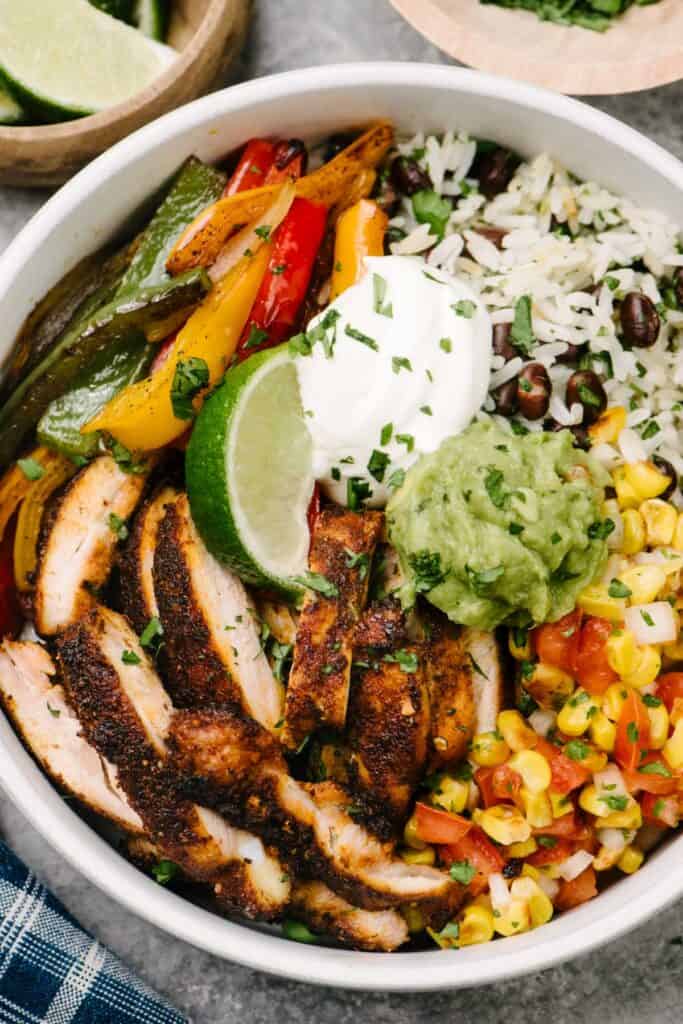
400, 361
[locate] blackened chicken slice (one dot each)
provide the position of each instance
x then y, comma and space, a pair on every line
327, 913
382, 626
342, 547
44, 719
482, 650
452, 694
138, 599
211, 630
126, 714
79, 542
237, 768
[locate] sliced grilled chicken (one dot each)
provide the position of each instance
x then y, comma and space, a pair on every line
382, 625
341, 551
452, 694
311, 824
324, 911
41, 714
279, 619
213, 649
79, 542
138, 599
126, 714
481, 648
389, 729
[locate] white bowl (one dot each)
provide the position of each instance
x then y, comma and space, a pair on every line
87, 211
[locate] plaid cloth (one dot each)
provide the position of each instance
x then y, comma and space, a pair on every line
52, 972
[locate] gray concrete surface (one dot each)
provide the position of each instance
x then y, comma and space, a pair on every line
630, 981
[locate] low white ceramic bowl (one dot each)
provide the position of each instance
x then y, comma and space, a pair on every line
87, 211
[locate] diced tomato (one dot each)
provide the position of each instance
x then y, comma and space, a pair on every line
566, 774
662, 782
10, 614
569, 826
591, 666
670, 687
578, 891
434, 826
660, 810
557, 642
633, 732
479, 851
289, 162
253, 166
498, 784
552, 854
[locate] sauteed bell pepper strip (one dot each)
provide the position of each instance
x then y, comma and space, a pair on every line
252, 167
252, 237
16, 484
141, 417
285, 283
10, 612
289, 162
360, 233
30, 518
201, 242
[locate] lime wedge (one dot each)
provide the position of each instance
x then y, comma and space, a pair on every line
10, 111
65, 58
151, 17
249, 472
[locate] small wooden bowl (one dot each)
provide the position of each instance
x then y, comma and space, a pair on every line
207, 34
643, 49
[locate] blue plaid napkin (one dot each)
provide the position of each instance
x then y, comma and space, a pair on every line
53, 972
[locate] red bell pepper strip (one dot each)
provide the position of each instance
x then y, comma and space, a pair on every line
434, 826
313, 508
252, 168
289, 162
633, 733
480, 853
284, 286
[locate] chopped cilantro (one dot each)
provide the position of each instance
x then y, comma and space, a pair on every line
427, 571
464, 308
385, 435
118, 526
618, 589
151, 632
31, 469
165, 871
399, 363
406, 660
446, 345
377, 464
430, 208
462, 871
481, 579
358, 560
379, 291
190, 377
364, 339
521, 332
130, 658
316, 581
357, 491
407, 439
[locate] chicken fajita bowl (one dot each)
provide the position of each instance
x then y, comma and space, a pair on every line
343, 531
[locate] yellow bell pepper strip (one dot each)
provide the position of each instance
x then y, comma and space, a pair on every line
58, 470
201, 242
141, 417
360, 233
360, 188
16, 484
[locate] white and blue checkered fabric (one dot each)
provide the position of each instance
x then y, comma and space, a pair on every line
52, 972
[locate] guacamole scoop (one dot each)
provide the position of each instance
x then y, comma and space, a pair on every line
495, 528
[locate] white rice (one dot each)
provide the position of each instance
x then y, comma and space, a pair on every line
575, 282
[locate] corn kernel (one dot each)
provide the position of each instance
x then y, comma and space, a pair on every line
603, 732
627, 496
476, 924
503, 823
533, 768
676, 712
413, 918
660, 521
630, 860
529, 871
677, 541
410, 835
520, 652
575, 717
540, 907
659, 726
594, 600
622, 652
613, 701
549, 686
606, 858
522, 850
632, 817
647, 669
608, 426
489, 748
634, 532
513, 919
427, 856
673, 653
645, 479
590, 801
644, 582
673, 748
515, 731
450, 794
592, 760
537, 808
560, 804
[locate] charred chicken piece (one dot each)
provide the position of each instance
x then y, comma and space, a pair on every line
138, 599
324, 911
79, 542
212, 646
48, 726
482, 651
452, 694
312, 825
382, 626
126, 714
341, 551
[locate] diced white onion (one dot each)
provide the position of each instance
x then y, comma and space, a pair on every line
654, 623
612, 838
670, 560
610, 780
575, 865
248, 239
631, 446
500, 897
549, 886
542, 721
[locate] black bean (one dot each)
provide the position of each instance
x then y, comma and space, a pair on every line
502, 346
336, 143
408, 176
513, 867
572, 355
494, 170
664, 466
289, 150
533, 391
639, 320
678, 285
386, 195
506, 398
585, 387
580, 435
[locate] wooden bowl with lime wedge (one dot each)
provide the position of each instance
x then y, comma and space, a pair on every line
207, 35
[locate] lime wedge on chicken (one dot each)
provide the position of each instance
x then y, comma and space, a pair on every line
65, 58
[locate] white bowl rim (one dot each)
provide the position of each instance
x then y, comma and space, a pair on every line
656, 885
